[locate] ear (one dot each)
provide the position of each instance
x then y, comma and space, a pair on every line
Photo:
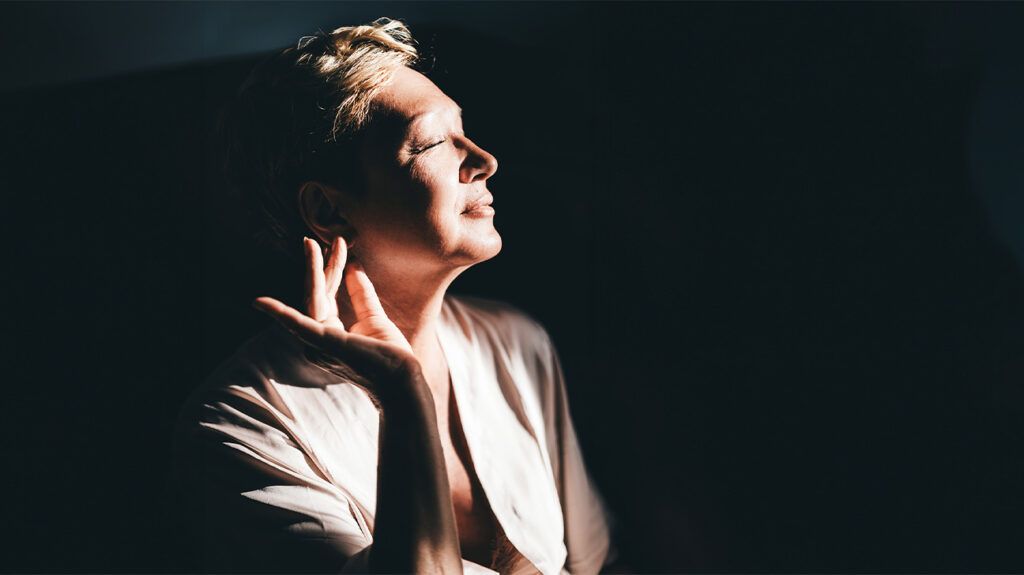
325, 211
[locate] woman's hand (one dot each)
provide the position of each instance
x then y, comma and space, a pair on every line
414, 528
372, 352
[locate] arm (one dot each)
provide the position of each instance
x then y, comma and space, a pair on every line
264, 505
254, 498
414, 522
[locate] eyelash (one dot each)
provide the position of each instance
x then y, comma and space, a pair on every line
427, 147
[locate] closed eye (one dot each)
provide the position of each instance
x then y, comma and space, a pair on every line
427, 147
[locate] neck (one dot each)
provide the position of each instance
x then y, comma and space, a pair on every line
413, 303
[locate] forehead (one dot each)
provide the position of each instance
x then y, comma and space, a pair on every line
409, 97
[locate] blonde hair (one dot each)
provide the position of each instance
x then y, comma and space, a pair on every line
358, 62
299, 116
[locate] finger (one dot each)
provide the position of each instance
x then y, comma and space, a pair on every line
307, 273
315, 280
365, 302
305, 328
312, 333
335, 266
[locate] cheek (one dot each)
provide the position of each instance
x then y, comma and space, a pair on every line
421, 206
436, 185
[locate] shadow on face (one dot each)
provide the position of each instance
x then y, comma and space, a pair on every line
425, 209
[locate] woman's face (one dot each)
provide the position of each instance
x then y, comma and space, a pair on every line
426, 204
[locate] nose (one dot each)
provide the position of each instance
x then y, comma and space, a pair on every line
478, 165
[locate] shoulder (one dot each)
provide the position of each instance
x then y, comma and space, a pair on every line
244, 393
264, 356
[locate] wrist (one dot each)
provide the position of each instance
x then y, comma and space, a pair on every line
406, 391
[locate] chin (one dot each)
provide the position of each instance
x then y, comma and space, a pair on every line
480, 248
494, 247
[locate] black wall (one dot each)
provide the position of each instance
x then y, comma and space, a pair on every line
777, 246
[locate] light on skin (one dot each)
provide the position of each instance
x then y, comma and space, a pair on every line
421, 219
409, 234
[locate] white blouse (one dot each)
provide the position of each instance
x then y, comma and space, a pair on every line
278, 457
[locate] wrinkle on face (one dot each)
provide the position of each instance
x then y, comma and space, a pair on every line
412, 215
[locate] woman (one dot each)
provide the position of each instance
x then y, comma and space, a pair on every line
388, 426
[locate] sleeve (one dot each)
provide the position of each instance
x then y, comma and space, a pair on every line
588, 521
255, 499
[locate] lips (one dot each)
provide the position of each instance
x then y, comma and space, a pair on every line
484, 199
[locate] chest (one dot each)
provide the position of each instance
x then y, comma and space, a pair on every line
496, 399
476, 524
488, 394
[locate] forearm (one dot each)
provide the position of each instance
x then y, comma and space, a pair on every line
414, 530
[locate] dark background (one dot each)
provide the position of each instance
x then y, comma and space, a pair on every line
779, 248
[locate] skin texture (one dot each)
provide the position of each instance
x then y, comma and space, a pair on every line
395, 245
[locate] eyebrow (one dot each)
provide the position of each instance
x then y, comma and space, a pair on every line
417, 116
